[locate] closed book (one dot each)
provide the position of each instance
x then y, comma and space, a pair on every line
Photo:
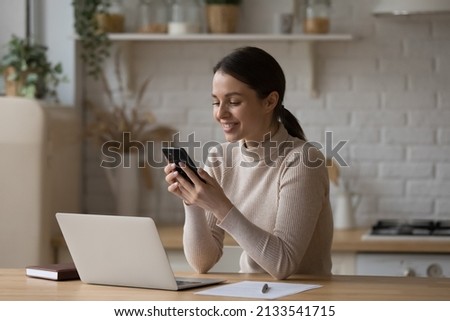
57, 272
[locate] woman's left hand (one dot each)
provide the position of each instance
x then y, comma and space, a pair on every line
208, 195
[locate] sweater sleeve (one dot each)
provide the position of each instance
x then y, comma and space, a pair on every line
302, 189
202, 239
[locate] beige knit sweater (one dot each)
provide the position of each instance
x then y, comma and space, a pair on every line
281, 216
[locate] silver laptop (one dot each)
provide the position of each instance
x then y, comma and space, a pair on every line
121, 251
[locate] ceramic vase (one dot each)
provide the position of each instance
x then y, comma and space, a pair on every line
124, 181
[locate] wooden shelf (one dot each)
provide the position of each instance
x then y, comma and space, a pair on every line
229, 37
309, 41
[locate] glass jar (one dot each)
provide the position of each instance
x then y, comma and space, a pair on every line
317, 17
185, 17
113, 20
152, 16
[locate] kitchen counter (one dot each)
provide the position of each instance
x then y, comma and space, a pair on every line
344, 241
352, 241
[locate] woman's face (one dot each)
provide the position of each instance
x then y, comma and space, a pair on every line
239, 110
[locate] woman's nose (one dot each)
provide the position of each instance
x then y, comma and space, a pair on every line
222, 111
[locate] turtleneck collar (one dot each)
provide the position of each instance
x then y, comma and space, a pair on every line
268, 148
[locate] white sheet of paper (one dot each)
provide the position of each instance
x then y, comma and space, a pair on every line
252, 289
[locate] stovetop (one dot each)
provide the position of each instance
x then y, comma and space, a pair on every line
416, 227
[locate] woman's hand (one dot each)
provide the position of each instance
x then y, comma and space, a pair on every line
171, 179
208, 195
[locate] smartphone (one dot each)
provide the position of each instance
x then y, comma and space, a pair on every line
176, 155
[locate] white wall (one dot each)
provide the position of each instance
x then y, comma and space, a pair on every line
55, 19
12, 21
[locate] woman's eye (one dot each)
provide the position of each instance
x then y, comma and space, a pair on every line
229, 103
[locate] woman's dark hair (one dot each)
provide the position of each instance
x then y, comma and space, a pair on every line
261, 72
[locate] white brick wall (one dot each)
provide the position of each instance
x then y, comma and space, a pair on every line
422, 206
387, 93
406, 170
442, 206
443, 171
408, 135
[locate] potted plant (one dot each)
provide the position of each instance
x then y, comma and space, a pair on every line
222, 15
27, 70
94, 40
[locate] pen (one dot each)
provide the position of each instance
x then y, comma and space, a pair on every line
265, 288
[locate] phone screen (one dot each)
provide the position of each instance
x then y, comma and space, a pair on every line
176, 155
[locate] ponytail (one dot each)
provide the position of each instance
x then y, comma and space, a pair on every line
290, 122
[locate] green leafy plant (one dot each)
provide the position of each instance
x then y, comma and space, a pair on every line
95, 43
27, 70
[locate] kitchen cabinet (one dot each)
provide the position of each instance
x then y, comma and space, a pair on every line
344, 263
349, 246
353, 253
403, 264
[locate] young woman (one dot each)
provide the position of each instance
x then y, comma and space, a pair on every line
266, 187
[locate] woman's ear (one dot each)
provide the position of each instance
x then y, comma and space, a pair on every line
271, 101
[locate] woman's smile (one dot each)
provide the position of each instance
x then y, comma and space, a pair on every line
239, 110
228, 127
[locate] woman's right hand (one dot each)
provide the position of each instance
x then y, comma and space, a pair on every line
171, 179
205, 192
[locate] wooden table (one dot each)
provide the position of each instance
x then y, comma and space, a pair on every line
15, 286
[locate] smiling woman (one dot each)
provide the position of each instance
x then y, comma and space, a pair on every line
235, 105
272, 195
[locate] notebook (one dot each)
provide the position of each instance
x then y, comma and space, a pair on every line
56, 272
121, 251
